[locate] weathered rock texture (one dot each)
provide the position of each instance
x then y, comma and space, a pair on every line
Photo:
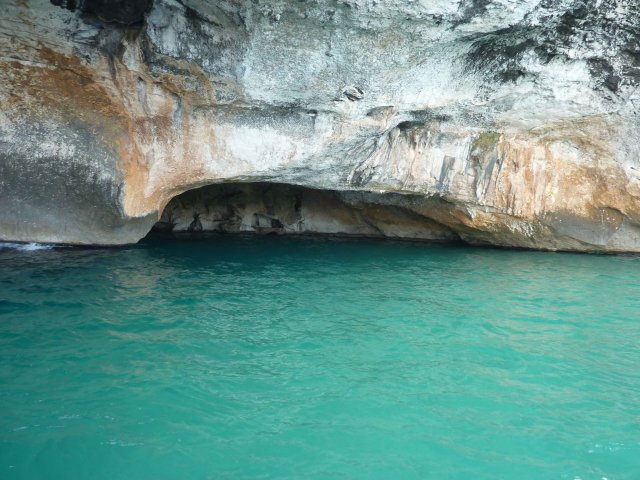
269, 208
496, 121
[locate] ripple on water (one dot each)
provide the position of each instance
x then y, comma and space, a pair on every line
276, 358
25, 247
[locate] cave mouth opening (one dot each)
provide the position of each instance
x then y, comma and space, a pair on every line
287, 209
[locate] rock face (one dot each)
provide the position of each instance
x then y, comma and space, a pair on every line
286, 209
498, 122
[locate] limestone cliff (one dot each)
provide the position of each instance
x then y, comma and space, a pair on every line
506, 122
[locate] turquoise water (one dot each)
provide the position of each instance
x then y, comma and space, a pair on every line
288, 358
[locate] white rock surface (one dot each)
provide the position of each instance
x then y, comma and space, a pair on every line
514, 122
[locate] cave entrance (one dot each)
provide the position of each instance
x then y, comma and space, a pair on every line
277, 208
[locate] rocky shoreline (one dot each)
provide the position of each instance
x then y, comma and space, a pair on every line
503, 123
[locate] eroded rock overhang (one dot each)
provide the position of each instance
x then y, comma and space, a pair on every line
275, 208
520, 118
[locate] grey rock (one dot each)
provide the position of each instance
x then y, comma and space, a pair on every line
510, 123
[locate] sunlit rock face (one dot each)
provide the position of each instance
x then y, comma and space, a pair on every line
503, 122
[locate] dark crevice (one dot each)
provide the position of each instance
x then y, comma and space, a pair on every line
275, 208
126, 12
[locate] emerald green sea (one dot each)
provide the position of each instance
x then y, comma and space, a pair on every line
270, 358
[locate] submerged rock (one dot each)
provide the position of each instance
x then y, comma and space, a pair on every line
505, 123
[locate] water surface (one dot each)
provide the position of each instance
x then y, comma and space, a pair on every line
233, 357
